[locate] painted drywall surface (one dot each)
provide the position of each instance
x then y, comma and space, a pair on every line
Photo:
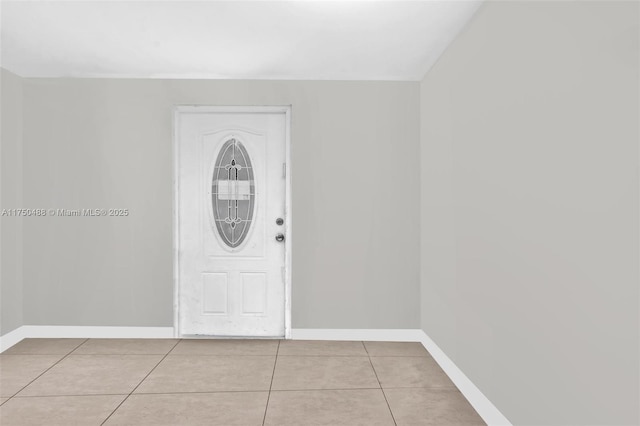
108, 144
10, 198
529, 212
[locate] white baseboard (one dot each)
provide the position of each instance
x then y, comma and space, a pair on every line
381, 335
489, 413
11, 338
62, 331
476, 398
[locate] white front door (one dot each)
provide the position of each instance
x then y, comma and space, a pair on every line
231, 221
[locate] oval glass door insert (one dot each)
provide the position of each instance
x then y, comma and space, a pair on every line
233, 193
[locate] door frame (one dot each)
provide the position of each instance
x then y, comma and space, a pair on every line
208, 109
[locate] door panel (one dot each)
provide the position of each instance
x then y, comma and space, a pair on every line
231, 190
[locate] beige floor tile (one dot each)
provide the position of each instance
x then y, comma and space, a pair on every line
59, 410
93, 374
226, 347
441, 407
410, 372
395, 349
126, 347
320, 348
44, 347
308, 372
16, 371
196, 409
197, 373
328, 407
2, 401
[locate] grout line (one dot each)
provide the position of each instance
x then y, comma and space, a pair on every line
323, 389
142, 393
325, 356
74, 353
40, 375
80, 355
76, 348
270, 355
70, 395
401, 356
224, 355
141, 381
380, 384
264, 419
438, 388
3, 354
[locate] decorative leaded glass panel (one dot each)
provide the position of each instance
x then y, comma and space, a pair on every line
233, 193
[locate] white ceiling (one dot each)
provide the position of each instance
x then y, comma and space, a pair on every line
306, 40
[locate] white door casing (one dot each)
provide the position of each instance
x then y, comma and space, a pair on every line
233, 278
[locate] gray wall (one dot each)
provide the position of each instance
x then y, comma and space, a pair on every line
10, 198
529, 172
100, 143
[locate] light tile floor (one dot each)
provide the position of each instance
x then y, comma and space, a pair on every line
225, 382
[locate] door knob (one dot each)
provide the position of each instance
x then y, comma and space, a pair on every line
279, 238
